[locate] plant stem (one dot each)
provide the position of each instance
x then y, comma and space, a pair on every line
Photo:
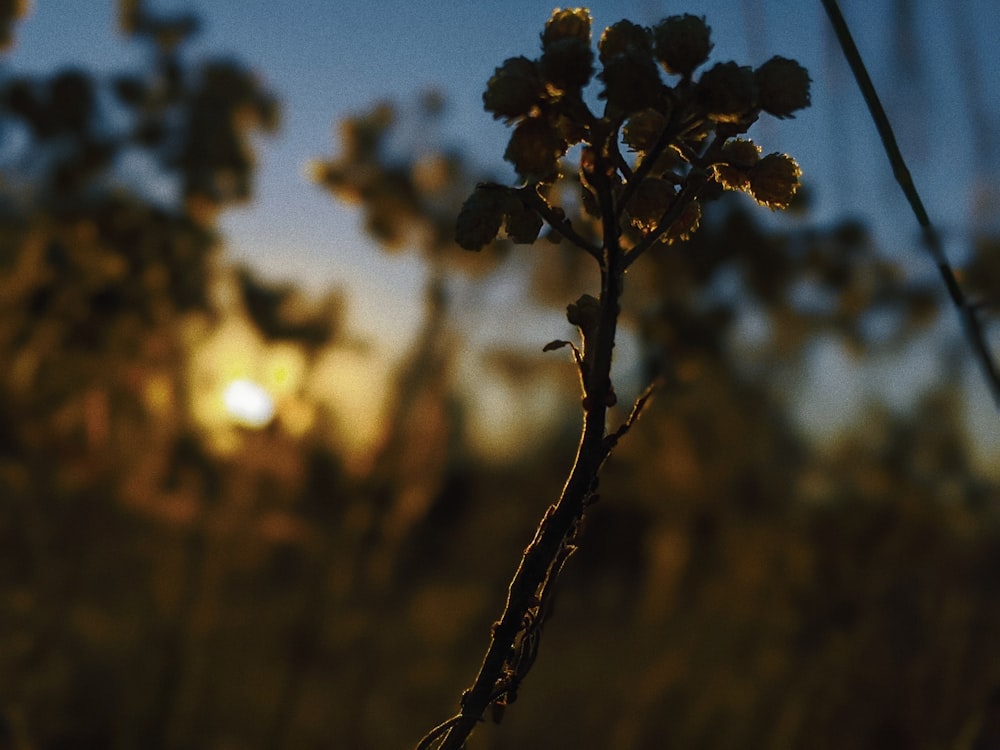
932, 240
543, 557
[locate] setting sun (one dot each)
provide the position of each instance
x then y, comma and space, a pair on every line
248, 403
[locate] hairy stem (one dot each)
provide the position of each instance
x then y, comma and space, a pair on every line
542, 559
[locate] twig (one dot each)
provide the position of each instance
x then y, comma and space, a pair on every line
649, 159
932, 240
561, 224
437, 733
696, 181
640, 403
623, 166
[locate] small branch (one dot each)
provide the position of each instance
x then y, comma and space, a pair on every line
640, 403
623, 165
694, 184
932, 240
559, 223
649, 159
437, 733
577, 357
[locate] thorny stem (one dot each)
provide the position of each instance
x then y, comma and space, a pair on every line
552, 543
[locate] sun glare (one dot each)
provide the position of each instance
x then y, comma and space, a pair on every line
248, 403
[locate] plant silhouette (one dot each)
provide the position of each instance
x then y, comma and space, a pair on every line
173, 577
687, 151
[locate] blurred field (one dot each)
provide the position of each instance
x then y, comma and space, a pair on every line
314, 559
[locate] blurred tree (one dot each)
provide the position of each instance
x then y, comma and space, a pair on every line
728, 475
108, 272
10, 12
169, 581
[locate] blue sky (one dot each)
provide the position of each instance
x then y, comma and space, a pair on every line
328, 58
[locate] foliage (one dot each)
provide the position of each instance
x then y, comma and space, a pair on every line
634, 204
655, 198
169, 582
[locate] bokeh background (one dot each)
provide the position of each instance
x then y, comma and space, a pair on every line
271, 446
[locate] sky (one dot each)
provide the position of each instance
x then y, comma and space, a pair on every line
326, 59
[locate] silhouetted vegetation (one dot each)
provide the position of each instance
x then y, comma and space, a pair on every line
176, 575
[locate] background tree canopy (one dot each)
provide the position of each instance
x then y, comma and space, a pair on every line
216, 533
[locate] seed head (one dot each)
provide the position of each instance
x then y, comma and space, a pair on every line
783, 86
682, 43
631, 81
651, 200
738, 157
685, 225
514, 89
624, 37
643, 129
568, 63
534, 149
523, 225
481, 216
774, 180
571, 23
728, 92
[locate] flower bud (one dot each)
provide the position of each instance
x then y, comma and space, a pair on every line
643, 130
585, 313
774, 180
651, 200
631, 82
682, 43
622, 38
481, 216
514, 89
740, 152
523, 225
728, 92
738, 156
685, 225
568, 63
534, 149
730, 177
783, 85
571, 23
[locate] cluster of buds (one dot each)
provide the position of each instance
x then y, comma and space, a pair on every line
684, 136
682, 126
772, 180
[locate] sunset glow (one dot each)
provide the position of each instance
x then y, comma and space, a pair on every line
248, 403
